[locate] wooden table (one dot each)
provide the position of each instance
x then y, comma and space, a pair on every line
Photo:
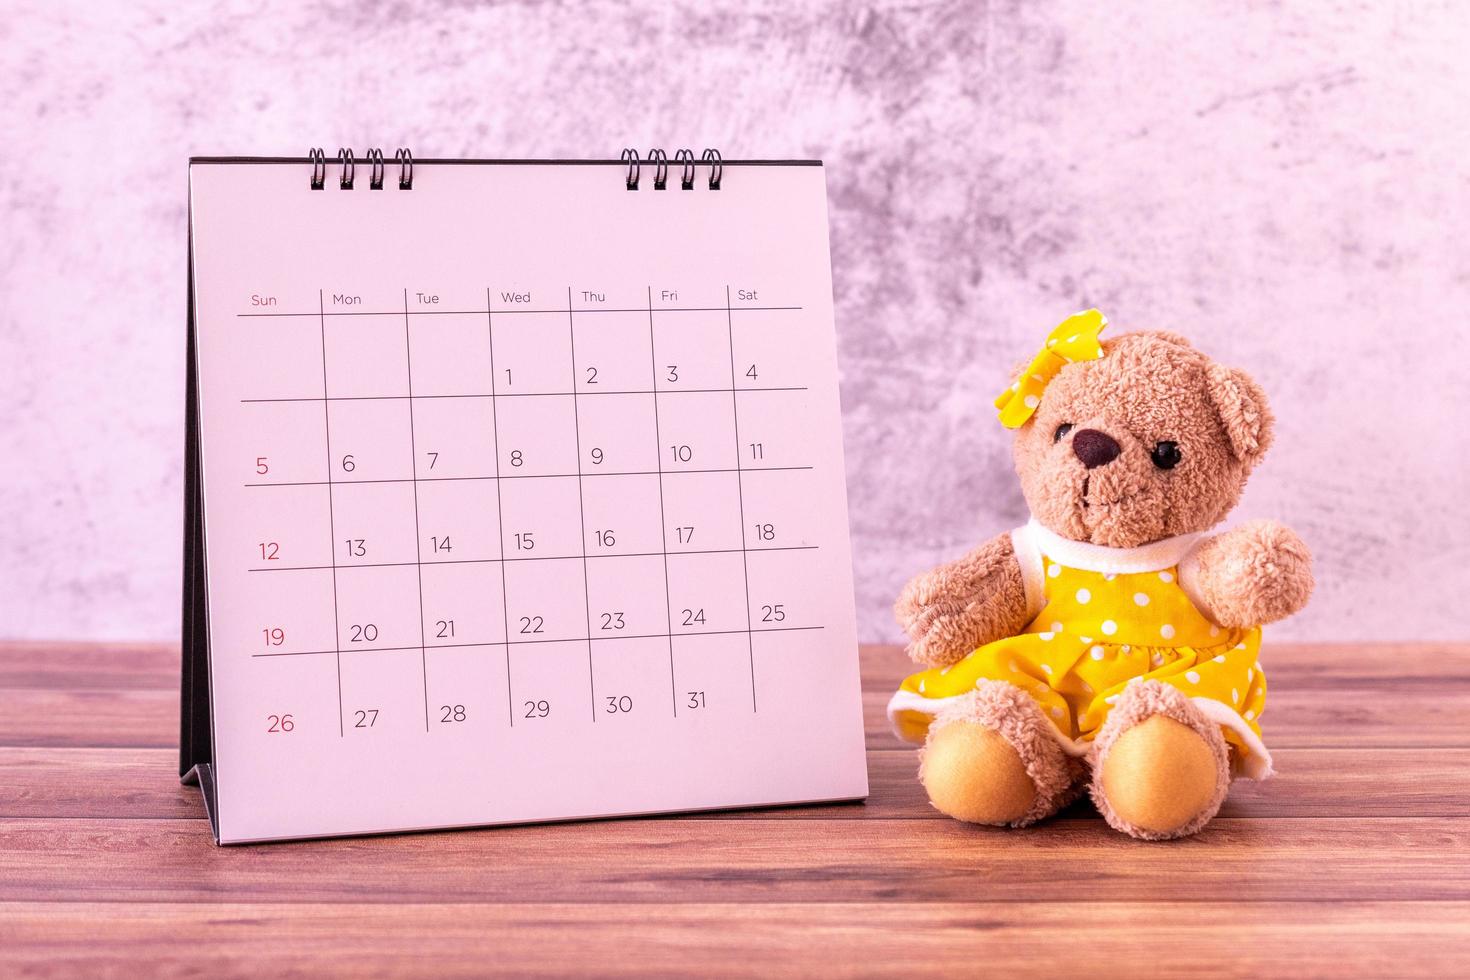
1355, 860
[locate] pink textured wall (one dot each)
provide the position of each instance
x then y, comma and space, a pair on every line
1288, 184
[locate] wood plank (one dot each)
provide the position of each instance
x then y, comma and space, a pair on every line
1314, 782
77, 783
758, 861
140, 718
69, 665
832, 939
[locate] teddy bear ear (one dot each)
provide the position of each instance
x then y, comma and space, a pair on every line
1243, 411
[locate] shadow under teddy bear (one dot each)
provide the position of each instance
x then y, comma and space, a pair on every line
1109, 644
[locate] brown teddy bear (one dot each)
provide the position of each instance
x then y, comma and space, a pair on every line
1110, 643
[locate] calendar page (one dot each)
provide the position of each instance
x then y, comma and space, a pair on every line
522, 496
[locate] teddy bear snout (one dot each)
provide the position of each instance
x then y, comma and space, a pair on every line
1095, 448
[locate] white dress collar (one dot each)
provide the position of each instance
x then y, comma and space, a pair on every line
1153, 557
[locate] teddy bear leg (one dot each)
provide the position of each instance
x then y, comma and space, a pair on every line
1161, 769
990, 759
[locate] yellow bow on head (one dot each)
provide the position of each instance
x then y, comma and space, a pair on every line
1075, 339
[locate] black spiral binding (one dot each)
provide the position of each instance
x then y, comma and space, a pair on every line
716, 168
349, 167
377, 168
375, 174
403, 158
684, 157
630, 157
686, 177
318, 168
660, 160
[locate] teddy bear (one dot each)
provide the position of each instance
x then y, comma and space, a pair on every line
1110, 645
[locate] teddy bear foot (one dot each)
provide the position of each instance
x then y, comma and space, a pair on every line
990, 759
1160, 767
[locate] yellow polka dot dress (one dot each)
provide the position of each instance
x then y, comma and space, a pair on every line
1105, 617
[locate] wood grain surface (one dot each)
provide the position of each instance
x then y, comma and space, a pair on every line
1354, 861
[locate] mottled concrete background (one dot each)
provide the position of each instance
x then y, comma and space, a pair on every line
1287, 183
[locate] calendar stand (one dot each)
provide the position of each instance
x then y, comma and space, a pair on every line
196, 756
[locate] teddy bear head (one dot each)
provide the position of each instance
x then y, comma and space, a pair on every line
1151, 440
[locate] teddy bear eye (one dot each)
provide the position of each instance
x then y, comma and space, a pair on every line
1166, 455
1062, 430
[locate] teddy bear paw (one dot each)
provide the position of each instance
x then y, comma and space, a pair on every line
1160, 767
990, 759
1258, 573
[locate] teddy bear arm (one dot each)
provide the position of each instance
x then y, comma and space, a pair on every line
950, 610
1254, 574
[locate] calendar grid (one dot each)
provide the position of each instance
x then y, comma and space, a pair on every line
331, 514
500, 512
581, 505
418, 541
663, 521
413, 478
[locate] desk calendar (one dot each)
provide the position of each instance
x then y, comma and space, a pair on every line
515, 493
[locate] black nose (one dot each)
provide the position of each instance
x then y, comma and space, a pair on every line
1095, 448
